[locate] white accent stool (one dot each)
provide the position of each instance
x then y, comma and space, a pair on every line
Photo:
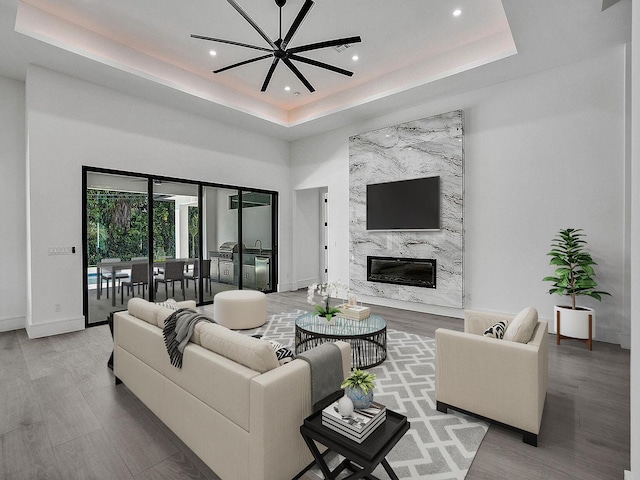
240, 309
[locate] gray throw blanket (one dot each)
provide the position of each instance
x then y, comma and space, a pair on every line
178, 328
325, 362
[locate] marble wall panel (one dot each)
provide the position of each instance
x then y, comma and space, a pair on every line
422, 148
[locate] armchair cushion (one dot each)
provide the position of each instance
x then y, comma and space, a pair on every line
521, 328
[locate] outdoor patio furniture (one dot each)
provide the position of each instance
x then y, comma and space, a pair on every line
116, 275
139, 276
195, 274
173, 272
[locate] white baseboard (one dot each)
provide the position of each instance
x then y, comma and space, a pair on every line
627, 475
305, 282
297, 285
12, 323
412, 306
286, 287
625, 340
56, 327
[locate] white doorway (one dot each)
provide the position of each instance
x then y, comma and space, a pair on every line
310, 237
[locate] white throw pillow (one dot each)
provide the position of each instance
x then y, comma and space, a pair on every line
521, 328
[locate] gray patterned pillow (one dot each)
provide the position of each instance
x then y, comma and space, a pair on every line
171, 304
284, 354
496, 331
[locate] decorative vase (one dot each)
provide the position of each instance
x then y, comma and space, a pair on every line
358, 397
574, 323
345, 406
324, 319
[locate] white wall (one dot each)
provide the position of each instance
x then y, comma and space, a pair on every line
13, 277
542, 152
71, 123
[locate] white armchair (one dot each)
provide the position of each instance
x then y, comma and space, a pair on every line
499, 380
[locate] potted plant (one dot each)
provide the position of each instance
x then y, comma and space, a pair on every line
358, 386
325, 290
573, 277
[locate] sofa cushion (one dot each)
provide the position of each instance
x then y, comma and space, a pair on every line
248, 351
521, 328
170, 306
496, 330
140, 308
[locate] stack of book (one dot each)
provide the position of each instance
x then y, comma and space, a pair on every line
354, 312
359, 425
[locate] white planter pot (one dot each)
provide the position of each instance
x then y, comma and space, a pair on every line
574, 323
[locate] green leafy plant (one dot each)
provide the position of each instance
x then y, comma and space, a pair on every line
360, 379
325, 290
574, 273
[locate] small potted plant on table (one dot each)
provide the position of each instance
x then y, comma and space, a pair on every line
573, 277
358, 386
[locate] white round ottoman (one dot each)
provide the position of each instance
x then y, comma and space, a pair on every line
240, 309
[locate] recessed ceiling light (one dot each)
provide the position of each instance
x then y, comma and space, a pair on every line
355, 58
212, 53
287, 88
457, 12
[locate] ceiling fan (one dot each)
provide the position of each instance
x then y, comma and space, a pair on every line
279, 48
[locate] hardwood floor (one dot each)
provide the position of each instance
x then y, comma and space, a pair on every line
62, 417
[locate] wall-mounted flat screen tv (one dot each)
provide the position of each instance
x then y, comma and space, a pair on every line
404, 205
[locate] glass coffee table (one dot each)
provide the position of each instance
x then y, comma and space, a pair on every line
368, 337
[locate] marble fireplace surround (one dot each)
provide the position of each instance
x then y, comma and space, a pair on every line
421, 148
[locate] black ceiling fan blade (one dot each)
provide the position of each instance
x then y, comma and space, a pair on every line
252, 23
328, 43
231, 42
297, 22
243, 63
298, 74
316, 63
269, 74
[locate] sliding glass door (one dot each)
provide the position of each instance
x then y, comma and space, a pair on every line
175, 240
160, 238
220, 232
116, 219
257, 228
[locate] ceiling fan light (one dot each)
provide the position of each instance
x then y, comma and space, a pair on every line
279, 50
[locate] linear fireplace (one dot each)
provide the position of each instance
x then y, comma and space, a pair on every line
417, 272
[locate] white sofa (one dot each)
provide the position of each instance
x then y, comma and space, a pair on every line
500, 380
231, 402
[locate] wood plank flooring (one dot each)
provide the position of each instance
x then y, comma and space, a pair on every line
61, 416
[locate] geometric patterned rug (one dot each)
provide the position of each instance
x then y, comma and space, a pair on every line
437, 446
